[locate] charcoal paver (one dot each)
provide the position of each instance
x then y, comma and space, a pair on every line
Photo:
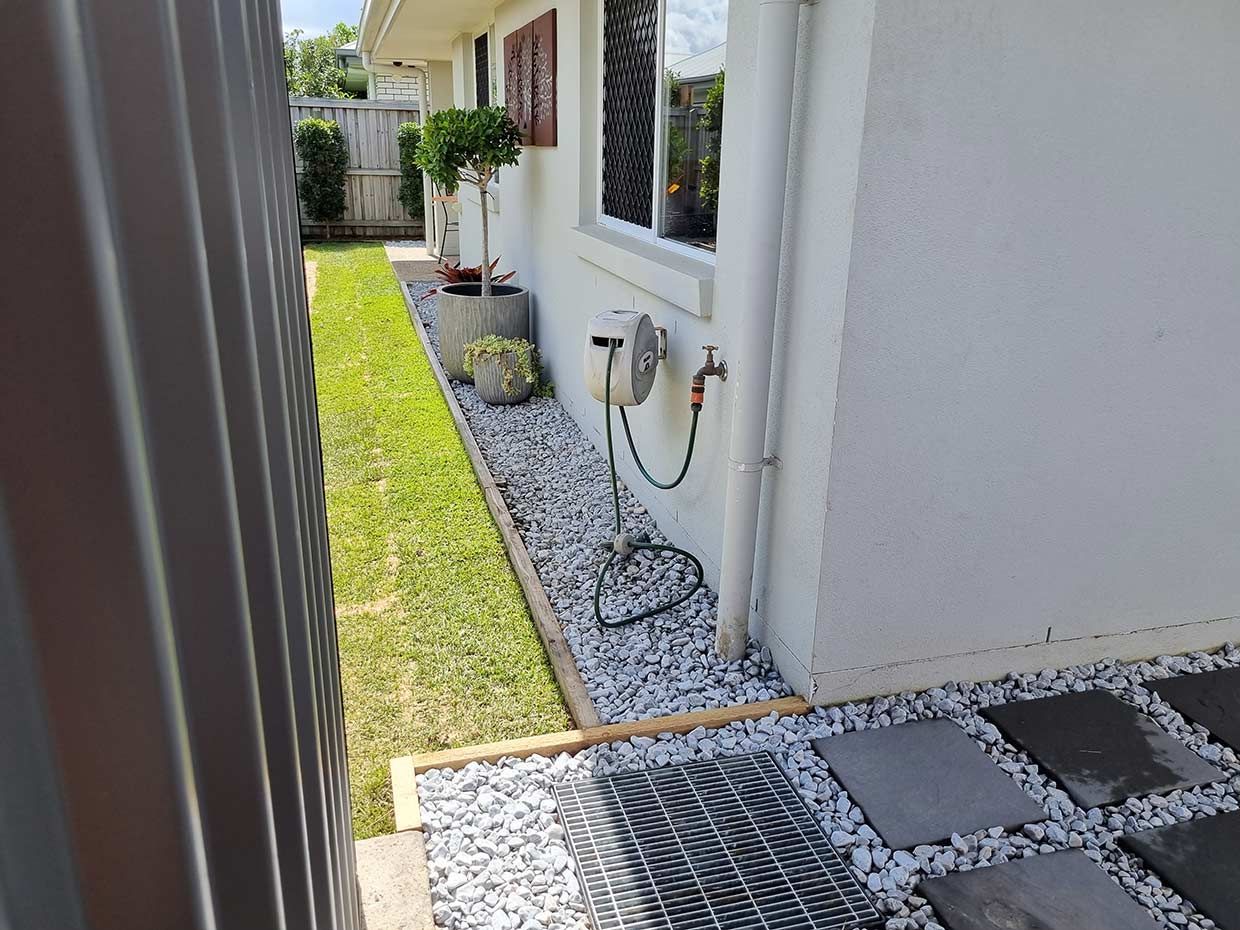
921, 782
1200, 859
1056, 891
1211, 699
1100, 749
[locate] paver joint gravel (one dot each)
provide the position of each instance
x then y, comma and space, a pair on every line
498, 856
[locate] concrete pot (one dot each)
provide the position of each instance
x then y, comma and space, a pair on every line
464, 315
489, 371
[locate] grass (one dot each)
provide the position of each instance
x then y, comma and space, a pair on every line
437, 648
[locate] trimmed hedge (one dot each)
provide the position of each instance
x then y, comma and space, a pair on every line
408, 135
324, 160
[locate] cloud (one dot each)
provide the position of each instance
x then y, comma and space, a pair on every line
695, 25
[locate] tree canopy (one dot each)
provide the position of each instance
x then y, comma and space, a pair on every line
310, 63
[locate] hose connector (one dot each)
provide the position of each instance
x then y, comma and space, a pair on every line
697, 392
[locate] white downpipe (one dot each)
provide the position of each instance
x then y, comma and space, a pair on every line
750, 361
429, 231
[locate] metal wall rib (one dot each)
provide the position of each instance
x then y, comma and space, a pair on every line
174, 751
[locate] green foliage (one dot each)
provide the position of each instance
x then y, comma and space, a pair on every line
324, 160
671, 84
712, 123
408, 137
677, 156
466, 146
436, 644
528, 365
310, 66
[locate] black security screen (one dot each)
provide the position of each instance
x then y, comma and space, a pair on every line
630, 80
482, 71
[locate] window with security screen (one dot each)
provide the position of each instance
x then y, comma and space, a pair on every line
630, 81
663, 118
482, 71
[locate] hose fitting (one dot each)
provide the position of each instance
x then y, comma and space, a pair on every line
697, 391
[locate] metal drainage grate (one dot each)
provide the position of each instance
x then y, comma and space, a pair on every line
707, 846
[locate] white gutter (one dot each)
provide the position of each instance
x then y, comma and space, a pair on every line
750, 361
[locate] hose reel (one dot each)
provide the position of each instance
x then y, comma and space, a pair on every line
622, 354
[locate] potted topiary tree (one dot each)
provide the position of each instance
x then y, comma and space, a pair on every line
505, 371
467, 147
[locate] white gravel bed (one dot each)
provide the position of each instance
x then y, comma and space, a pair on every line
499, 860
556, 485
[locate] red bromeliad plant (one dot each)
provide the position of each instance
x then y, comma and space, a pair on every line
461, 274
456, 274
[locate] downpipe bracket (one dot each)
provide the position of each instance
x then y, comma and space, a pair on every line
771, 461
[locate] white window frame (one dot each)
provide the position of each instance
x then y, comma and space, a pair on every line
659, 177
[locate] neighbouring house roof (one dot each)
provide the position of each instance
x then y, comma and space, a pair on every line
356, 80
702, 65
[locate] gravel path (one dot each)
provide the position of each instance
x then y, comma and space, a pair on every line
498, 858
556, 486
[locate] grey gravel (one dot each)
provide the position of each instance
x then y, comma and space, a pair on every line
498, 857
556, 485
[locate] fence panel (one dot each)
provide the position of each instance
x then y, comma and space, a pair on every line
372, 185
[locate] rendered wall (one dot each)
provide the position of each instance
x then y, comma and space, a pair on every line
1006, 329
1035, 439
554, 190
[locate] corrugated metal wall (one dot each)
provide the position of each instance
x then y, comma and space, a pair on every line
171, 742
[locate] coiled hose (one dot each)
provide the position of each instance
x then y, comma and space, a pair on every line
639, 544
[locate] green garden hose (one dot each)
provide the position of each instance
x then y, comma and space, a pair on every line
624, 543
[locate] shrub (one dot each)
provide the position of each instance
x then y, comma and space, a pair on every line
408, 136
467, 146
324, 160
712, 123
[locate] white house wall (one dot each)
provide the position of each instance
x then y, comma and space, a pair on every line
537, 208
1035, 455
1009, 296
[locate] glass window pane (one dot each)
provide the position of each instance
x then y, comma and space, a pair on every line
694, 47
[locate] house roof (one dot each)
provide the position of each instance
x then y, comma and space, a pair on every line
417, 30
702, 65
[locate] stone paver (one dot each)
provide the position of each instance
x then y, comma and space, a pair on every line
1059, 891
921, 782
393, 883
1101, 749
1211, 699
1199, 859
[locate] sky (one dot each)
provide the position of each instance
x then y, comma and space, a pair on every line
317, 16
692, 25
695, 25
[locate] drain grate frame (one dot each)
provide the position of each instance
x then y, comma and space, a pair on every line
725, 844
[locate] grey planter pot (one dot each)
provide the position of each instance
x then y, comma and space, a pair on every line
464, 315
489, 379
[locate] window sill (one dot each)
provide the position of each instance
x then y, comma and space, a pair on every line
686, 282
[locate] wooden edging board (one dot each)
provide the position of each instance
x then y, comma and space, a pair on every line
405, 795
563, 666
551, 744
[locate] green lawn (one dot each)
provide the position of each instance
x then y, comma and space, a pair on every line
437, 648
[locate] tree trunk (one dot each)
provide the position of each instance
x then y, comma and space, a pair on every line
486, 245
